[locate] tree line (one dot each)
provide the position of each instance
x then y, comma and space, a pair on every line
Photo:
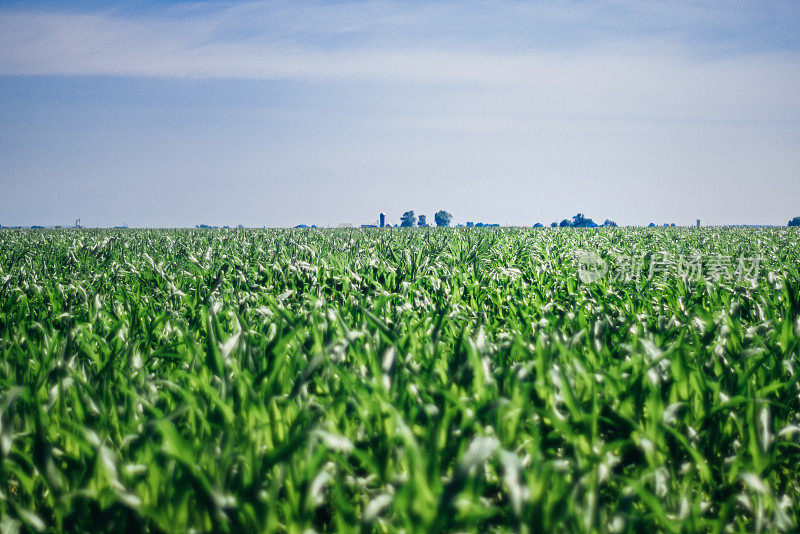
441, 219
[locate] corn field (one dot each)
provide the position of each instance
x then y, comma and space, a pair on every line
420, 380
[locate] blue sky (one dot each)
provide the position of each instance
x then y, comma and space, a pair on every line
281, 113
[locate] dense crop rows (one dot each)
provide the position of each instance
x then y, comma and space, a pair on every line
418, 380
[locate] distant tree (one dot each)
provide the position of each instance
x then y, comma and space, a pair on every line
565, 223
795, 221
538, 225
581, 221
651, 224
442, 218
470, 224
408, 220
609, 222
423, 221
553, 224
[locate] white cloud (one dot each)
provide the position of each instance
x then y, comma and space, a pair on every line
618, 80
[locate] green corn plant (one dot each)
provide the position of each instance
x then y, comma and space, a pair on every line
428, 380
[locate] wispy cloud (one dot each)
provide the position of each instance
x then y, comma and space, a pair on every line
610, 72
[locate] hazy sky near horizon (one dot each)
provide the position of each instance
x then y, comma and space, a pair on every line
288, 112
